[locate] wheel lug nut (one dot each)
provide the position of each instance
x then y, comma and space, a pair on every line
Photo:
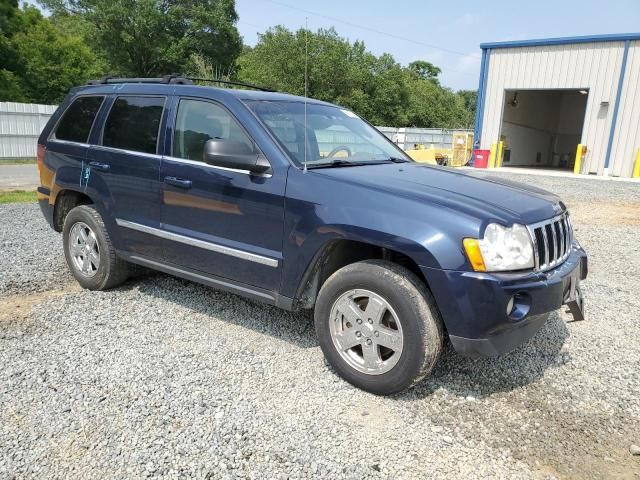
359, 321
369, 341
358, 334
377, 333
370, 321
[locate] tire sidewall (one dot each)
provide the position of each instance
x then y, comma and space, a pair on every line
83, 214
411, 316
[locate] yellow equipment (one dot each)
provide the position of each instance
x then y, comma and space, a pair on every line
423, 155
461, 148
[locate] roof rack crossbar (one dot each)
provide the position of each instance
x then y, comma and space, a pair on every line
176, 80
169, 79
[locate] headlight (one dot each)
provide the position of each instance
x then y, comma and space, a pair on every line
500, 249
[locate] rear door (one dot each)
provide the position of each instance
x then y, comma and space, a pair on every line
127, 161
221, 221
68, 143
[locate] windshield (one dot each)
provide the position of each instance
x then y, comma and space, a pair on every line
334, 136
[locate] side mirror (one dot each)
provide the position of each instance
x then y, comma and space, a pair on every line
231, 154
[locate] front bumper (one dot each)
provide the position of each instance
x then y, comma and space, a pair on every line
473, 305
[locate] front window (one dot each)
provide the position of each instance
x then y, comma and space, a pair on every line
334, 136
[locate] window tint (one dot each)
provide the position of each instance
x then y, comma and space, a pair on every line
134, 123
77, 120
198, 122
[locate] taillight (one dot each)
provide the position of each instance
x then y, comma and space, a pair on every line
42, 150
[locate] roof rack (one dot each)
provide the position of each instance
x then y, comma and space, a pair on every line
170, 79
176, 80
231, 82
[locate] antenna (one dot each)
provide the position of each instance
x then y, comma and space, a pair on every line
306, 86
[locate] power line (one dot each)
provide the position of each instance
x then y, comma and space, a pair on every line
448, 69
374, 30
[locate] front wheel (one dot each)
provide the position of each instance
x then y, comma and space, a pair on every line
378, 326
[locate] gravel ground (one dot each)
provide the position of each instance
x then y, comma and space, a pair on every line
163, 377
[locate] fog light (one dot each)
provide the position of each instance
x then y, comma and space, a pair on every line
510, 305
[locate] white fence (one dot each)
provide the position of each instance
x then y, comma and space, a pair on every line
21, 123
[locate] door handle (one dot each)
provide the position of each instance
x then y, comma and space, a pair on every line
178, 182
103, 167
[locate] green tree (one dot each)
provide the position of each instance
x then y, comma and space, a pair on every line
338, 71
425, 70
156, 37
38, 62
470, 99
53, 63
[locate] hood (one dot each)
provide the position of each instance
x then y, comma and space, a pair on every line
470, 192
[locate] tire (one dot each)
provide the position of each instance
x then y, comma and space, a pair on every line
105, 269
410, 315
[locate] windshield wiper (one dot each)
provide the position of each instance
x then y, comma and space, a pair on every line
398, 160
337, 163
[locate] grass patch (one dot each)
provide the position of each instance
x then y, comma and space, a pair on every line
18, 196
18, 161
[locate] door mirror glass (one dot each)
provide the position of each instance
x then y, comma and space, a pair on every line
232, 154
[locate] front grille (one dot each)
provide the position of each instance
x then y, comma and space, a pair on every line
552, 241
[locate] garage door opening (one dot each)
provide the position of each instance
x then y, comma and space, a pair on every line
542, 128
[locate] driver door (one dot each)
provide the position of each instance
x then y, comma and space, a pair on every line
220, 221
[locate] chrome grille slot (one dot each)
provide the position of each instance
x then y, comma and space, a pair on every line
552, 241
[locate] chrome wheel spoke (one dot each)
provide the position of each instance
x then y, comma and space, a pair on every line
76, 250
391, 339
91, 239
83, 235
370, 356
348, 339
375, 310
94, 258
350, 310
86, 264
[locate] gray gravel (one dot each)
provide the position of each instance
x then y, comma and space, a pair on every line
31, 252
165, 378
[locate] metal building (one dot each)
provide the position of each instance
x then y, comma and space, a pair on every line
543, 98
20, 125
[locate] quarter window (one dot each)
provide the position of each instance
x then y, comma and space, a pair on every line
134, 124
75, 125
199, 121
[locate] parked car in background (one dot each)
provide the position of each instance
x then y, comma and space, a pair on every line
230, 188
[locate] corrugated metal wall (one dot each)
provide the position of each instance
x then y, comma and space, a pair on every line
592, 66
20, 125
626, 141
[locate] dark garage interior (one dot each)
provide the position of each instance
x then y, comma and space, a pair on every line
542, 128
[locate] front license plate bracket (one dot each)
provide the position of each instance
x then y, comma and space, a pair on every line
575, 301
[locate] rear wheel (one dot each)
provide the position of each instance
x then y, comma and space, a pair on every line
89, 252
378, 326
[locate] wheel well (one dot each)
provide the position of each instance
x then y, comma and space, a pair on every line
65, 201
340, 253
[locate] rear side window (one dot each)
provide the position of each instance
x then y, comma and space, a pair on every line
77, 120
134, 124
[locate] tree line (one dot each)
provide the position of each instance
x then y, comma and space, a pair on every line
42, 57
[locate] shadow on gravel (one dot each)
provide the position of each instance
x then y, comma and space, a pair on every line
479, 378
454, 373
296, 328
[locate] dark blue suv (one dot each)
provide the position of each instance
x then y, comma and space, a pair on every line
303, 205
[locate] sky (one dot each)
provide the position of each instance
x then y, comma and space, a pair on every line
447, 34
